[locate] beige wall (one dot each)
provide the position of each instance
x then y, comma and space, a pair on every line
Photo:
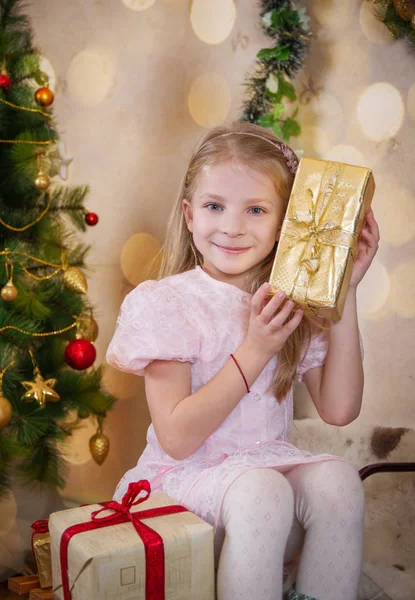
123, 80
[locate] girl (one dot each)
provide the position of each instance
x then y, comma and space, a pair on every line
219, 357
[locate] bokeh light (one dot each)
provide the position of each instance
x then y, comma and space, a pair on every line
209, 100
90, 76
345, 153
136, 255
374, 289
380, 111
212, 20
138, 5
323, 111
313, 141
402, 293
394, 210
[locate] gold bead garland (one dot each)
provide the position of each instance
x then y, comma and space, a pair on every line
50, 333
16, 106
28, 142
39, 218
75, 279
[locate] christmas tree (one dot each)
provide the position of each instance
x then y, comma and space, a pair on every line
47, 327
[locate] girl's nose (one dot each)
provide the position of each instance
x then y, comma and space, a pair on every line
233, 226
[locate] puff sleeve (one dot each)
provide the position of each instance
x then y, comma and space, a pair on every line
153, 324
316, 354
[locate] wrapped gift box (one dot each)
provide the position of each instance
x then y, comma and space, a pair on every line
41, 552
320, 233
123, 560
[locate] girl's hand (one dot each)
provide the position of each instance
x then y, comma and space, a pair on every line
267, 333
368, 246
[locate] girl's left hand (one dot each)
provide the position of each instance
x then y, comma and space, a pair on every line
368, 246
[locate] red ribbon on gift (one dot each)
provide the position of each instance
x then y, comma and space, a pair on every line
153, 542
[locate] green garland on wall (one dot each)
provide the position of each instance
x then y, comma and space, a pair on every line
270, 83
399, 18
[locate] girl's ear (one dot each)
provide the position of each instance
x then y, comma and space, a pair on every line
188, 215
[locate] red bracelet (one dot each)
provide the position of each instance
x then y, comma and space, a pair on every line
241, 372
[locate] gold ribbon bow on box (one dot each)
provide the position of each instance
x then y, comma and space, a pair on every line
324, 210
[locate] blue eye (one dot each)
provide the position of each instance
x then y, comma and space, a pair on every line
209, 207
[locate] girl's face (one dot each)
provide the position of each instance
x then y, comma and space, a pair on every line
235, 216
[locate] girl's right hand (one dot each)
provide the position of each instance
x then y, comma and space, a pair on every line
267, 333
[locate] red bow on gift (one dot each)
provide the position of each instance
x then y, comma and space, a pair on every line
121, 513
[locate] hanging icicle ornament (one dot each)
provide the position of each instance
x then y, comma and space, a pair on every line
9, 291
99, 446
73, 277
40, 390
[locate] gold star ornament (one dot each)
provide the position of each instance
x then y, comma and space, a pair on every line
40, 390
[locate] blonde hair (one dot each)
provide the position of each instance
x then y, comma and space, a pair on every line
179, 253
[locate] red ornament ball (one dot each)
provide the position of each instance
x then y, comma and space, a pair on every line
80, 354
91, 219
5, 82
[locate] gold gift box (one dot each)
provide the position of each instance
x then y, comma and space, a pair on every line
41, 550
319, 239
110, 562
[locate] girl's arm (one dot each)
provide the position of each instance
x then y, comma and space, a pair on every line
182, 420
337, 388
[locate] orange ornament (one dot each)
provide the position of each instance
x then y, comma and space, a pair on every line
44, 96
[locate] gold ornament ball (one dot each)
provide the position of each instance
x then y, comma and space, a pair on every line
99, 446
74, 279
6, 412
44, 96
87, 329
9, 292
42, 181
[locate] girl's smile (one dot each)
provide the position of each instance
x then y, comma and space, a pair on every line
231, 250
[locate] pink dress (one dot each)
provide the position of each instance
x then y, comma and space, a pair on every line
195, 318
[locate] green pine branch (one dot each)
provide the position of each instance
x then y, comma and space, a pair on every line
400, 29
270, 84
30, 443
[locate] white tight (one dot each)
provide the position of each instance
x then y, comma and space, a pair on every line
316, 509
